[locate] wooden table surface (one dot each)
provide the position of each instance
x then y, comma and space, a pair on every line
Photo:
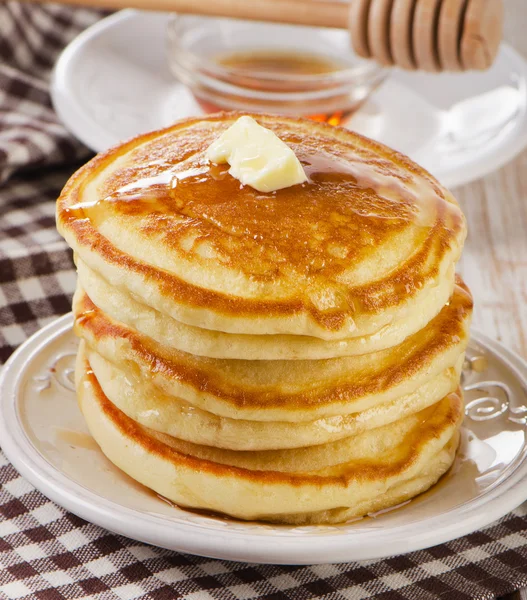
494, 262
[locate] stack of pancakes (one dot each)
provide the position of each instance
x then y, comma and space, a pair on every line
292, 356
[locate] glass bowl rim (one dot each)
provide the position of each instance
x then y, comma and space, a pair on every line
187, 59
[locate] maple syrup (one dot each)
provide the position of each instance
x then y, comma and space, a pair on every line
280, 62
77, 439
287, 73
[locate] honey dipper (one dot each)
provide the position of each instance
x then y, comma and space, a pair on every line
432, 35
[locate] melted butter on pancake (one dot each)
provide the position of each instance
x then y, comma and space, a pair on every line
257, 156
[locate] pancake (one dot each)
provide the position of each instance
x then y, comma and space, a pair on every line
370, 240
327, 483
217, 344
149, 406
292, 391
291, 356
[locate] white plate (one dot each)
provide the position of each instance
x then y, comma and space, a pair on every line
113, 82
43, 434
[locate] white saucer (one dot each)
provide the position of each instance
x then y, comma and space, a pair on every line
43, 434
113, 82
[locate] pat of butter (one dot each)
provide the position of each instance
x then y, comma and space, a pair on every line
257, 156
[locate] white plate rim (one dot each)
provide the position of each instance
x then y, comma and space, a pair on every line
88, 131
220, 542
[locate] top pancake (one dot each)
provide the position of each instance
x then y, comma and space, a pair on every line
368, 240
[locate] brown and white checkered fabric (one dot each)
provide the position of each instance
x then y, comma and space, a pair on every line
30, 39
49, 554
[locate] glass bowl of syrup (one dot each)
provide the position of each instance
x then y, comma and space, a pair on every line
233, 64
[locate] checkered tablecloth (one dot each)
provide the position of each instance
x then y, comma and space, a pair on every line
49, 554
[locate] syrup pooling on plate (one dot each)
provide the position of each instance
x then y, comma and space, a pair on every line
42, 411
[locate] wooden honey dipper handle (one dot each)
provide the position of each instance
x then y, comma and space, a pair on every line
432, 35
316, 13
298, 12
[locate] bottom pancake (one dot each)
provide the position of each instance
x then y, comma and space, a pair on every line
324, 484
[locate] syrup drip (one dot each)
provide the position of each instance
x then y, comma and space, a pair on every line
76, 439
285, 233
307, 235
164, 193
211, 514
